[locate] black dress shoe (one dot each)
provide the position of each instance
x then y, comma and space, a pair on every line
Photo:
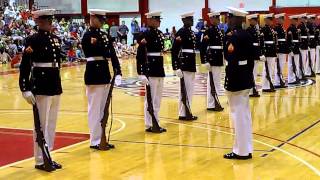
294, 83
184, 118
155, 130
268, 90
109, 146
215, 109
44, 168
235, 156
254, 95
56, 165
279, 86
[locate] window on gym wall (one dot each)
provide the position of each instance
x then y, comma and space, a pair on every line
297, 3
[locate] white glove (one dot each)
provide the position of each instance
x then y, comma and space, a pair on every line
143, 79
208, 66
29, 97
291, 54
179, 73
263, 58
117, 81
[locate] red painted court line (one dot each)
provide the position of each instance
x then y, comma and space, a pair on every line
17, 144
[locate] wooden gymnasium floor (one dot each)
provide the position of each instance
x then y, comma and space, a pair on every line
286, 133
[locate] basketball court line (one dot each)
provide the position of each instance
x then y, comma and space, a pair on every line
265, 136
294, 136
123, 125
307, 164
178, 145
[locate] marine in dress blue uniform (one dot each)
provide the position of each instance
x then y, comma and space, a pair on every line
294, 48
270, 53
150, 66
98, 49
255, 31
40, 81
212, 47
184, 60
282, 51
238, 82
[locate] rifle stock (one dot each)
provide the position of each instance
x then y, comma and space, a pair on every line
104, 121
279, 73
268, 75
155, 126
184, 99
47, 161
310, 64
294, 67
217, 104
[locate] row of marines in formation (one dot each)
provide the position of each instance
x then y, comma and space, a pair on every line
40, 80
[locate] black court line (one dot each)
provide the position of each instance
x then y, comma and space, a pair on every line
179, 145
18, 167
293, 137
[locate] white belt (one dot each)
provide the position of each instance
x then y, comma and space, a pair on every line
53, 65
244, 62
97, 58
155, 54
255, 44
304, 37
188, 51
269, 42
282, 40
295, 41
216, 47
311, 36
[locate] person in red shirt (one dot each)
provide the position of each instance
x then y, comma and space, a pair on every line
71, 54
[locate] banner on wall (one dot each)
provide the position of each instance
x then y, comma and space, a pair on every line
248, 5
298, 3
115, 5
62, 6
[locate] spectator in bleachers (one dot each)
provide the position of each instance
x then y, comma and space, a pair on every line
114, 32
135, 29
123, 33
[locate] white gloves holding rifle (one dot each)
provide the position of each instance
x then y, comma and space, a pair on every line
29, 97
208, 66
118, 79
143, 79
178, 73
263, 58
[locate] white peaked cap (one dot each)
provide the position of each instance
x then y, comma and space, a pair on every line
237, 12
99, 12
251, 16
189, 14
270, 15
311, 16
43, 12
294, 17
153, 14
279, 15
211, 14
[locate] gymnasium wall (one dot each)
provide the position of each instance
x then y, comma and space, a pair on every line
115, 5
172, 9
62, 6
248, 5
297, 3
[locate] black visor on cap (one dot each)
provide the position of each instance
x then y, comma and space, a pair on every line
46, 17
156, 17
101, 18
